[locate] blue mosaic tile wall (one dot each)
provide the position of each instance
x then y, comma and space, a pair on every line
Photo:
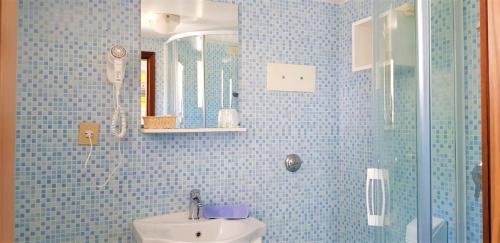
354, 129
61, 82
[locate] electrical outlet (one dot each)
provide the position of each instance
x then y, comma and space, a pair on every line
84, 128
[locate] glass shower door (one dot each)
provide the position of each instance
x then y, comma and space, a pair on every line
443, 86
395, 114
455, 119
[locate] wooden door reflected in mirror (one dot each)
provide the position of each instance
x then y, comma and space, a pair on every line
148, 77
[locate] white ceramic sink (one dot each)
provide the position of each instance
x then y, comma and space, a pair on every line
178, 228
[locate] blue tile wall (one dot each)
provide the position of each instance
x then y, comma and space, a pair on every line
354, 129
61, 82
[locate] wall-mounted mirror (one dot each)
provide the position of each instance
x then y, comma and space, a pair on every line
190, 62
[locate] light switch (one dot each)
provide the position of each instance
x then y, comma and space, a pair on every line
290, 77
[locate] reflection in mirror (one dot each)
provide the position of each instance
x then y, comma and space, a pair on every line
148, 70
195, 51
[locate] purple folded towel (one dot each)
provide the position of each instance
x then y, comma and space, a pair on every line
226, 212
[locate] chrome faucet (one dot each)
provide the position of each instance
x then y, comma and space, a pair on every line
195, 204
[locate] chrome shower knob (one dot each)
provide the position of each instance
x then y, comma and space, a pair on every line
293, 162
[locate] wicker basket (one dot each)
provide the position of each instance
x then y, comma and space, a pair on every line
159, 122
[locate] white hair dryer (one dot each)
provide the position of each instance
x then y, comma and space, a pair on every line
115, 70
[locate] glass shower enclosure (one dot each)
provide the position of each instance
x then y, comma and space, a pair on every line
426, 106
202, 77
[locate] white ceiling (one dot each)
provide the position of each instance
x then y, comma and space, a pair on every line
195, 15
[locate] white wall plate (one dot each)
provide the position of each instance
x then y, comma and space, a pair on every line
290, 77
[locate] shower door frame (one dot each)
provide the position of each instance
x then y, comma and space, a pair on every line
424, 197
485, 118
490, 115
8, 57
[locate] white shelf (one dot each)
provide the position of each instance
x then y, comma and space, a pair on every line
194, 130
362, 50
398, 44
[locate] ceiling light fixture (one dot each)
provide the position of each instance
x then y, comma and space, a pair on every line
164, 23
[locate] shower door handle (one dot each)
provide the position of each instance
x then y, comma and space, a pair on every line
376, 217
476, 175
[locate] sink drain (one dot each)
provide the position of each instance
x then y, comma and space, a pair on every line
198, 234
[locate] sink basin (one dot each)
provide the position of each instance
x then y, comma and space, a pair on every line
176, 227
